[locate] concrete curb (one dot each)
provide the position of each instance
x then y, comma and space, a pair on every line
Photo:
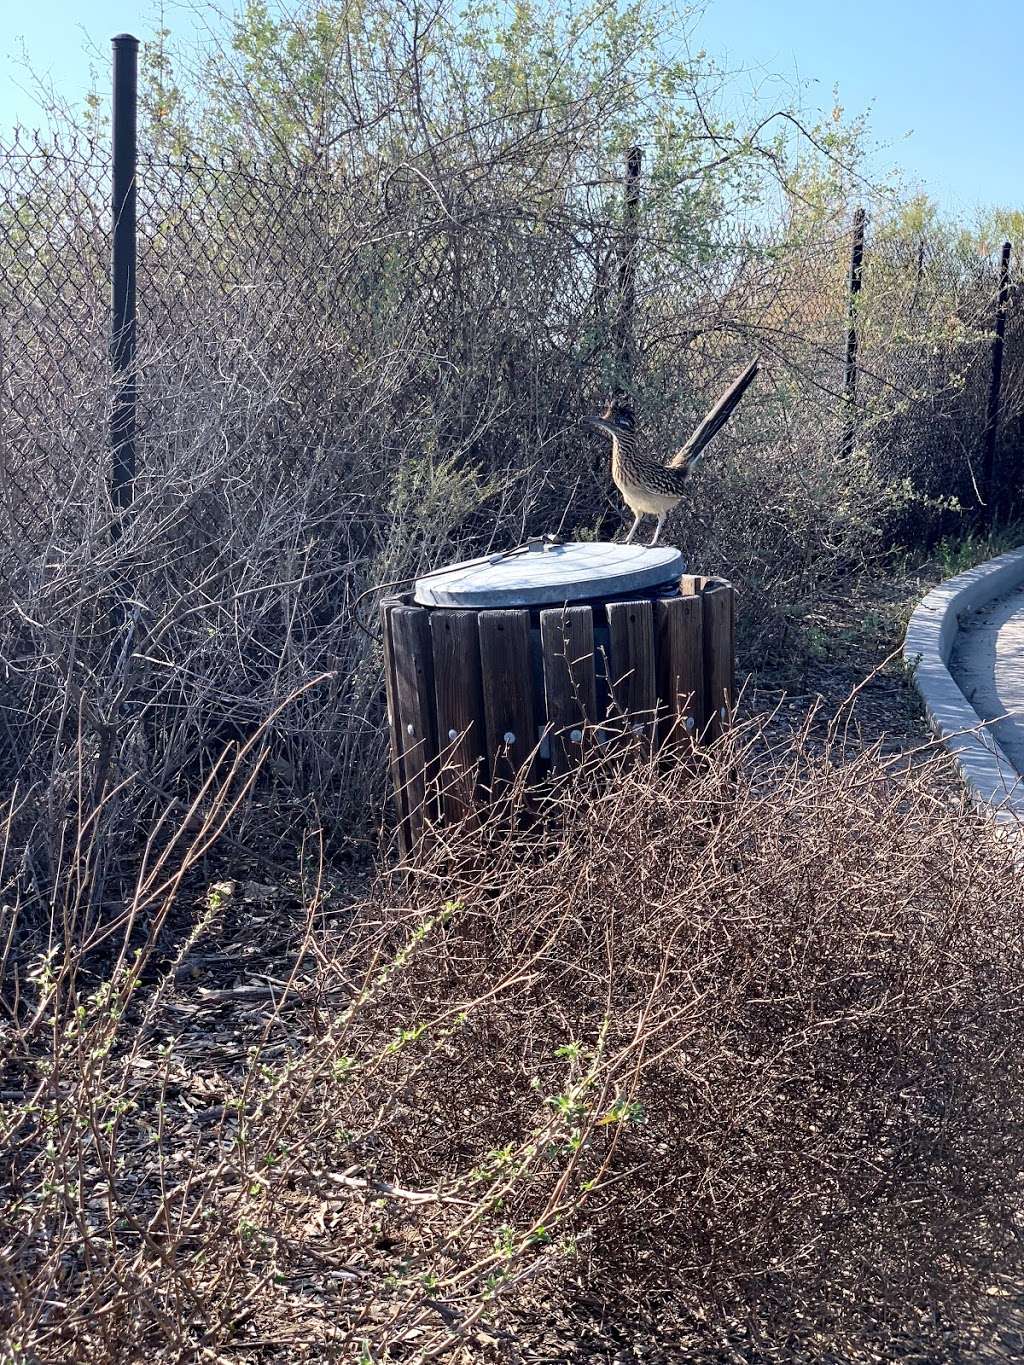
995, 785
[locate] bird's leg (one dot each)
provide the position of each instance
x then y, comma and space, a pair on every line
657, 529
632, 529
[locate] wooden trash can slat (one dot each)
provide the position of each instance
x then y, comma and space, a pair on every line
414, 687
632, 677
717, 607
461, 739
399, 794
681, 668
508, 692
570, 680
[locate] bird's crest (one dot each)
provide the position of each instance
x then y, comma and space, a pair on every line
620, 414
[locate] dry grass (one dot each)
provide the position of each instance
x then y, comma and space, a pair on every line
723, 1046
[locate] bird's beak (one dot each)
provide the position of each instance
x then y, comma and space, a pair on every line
600, 424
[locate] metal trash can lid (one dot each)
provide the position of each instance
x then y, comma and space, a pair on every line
542, 574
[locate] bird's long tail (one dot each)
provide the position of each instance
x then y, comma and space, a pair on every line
687, 456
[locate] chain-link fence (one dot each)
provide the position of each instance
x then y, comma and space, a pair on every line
468, 308
351, 371
54, 305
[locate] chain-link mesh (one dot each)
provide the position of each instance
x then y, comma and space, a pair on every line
317, 287
926, 323
54, 324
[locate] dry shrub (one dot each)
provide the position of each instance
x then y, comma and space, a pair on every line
772, 1020
365, 348
724, 1045
792, 522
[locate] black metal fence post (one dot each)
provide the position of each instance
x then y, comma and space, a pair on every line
850, 383
626, 301
122, 269
992, 415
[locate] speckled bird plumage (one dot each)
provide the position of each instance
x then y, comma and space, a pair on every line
647, 486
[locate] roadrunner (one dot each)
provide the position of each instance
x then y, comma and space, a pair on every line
646, 485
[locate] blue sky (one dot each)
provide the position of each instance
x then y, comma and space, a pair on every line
944, 72
940, 72
65, 41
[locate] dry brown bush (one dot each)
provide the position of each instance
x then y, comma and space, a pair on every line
716, 1048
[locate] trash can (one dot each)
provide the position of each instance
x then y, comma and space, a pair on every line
516, 661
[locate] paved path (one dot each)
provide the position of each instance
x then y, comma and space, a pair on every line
988, 665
